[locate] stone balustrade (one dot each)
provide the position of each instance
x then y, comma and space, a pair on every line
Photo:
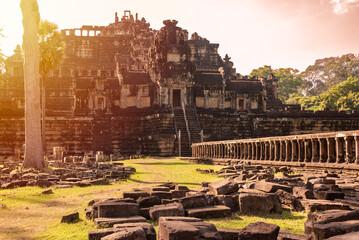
333, 147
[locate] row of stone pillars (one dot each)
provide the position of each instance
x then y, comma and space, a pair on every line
339, 149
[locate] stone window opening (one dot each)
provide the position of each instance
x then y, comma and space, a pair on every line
100, 103
241, 104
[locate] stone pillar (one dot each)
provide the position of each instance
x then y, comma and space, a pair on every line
300, 150
253, 144
229, 150
323, 150
288, 151
315, 157
276, 150
245, 151
294, 150
281, 150
348, 149
271, 150
339, 149
258, 147
307, 151
261, 151
331, 150
266, 150
356, 149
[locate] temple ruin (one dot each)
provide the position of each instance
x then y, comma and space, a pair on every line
129, 89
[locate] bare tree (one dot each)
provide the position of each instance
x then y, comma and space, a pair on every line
33, 144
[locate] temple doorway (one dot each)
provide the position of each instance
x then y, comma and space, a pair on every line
176, 97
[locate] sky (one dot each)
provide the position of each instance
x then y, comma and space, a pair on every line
279, 33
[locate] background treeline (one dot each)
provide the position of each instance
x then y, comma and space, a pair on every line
331, 83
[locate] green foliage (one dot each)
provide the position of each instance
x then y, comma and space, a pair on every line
340, 97
52, 48
262, 72
290, 80
328, 72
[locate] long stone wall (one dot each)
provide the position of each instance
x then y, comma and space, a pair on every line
335, 147
128, 135
222, 125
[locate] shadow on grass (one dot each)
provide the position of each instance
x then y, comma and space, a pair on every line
10, 232
147, 182
164, 163
143, 173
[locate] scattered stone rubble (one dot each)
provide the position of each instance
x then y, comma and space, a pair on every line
331, 200
70, 171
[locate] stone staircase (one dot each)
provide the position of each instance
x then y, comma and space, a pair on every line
190, 135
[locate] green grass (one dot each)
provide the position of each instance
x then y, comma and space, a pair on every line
31, 215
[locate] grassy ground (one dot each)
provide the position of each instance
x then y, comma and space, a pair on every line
26, 214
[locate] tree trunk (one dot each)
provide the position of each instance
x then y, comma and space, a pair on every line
43, 109
33, 144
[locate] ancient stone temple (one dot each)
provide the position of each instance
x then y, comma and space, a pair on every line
128, 89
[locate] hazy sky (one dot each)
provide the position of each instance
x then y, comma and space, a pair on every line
280, 33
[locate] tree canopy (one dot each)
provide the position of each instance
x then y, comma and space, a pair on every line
52, 48
290, 80
327, 72
340, 97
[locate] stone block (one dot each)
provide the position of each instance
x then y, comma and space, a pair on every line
135, 194
259, 230
328, 195
302, 192
228, 234
195, 201
117, 209
230, 201
219, 211
328, 217
133, 233
70, 218
162, 194
173, 209
147, 227
289, 201
270, 187
178, 194
256, 203
286, 235
98, 234
176, 230
146, 202
225, 186
314, 205
324, 231
347, 236
109, 222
